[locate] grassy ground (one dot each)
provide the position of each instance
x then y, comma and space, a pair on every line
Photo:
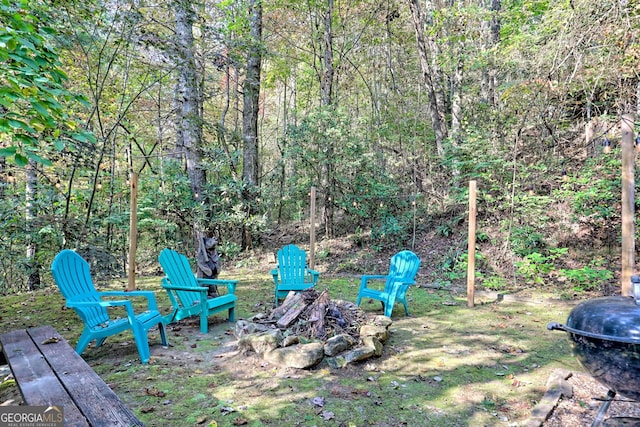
445, 365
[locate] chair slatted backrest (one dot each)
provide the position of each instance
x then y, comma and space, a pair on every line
73, 277
403, 269
292, 263
178, 270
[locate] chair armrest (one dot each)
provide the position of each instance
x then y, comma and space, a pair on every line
275, 273
230, 284
149, 295
185, 288
367, 277
406, 282
315, 275
115, 303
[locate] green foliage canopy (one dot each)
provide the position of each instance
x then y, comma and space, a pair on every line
33, 97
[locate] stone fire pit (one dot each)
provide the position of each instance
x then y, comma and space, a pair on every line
310, 327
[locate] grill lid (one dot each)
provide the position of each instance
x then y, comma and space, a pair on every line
613, 318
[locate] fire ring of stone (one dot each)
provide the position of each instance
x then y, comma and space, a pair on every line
309, 327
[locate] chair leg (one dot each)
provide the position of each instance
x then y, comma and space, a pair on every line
83, 342
163, 334
142, 343
204, 321
388, 310
232, 314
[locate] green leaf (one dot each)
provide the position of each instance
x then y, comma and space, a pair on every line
7, 151
19, 124
38, 159
26, 139
44, 112
79, 137
21, 160
4, 126
84, 136
26, 43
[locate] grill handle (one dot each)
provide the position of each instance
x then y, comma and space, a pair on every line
555, 326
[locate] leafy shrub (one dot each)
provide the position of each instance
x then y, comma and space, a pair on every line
495, 283
228, 250
388, 231
525, 240
535, 266
587, 278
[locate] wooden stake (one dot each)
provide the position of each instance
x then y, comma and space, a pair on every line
628, 202
312, 235
133, 232
471, 251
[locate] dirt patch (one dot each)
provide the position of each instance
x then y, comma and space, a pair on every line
582, 408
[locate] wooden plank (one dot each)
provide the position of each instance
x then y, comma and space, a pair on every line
99, 404
36, 380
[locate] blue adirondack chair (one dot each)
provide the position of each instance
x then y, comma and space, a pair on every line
71, 274
292, 272
188, 294
402, 272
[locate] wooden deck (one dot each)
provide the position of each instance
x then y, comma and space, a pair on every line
50, 373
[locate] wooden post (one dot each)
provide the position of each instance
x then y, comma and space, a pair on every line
471, 251
133, 232
312, 234
628, 202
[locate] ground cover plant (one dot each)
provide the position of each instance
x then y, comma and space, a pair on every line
445, 365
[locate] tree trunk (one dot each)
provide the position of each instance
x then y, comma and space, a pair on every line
31, 194
491, 30
437, 122
188, 103
188, 99
251, 89
456, 99
326, 87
